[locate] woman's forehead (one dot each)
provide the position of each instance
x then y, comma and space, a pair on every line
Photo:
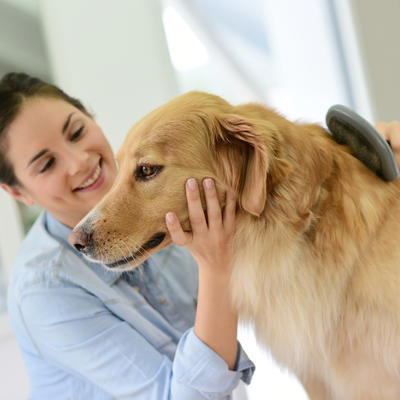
42, 111
39, 118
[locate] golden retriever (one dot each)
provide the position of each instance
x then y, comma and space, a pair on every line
317, 243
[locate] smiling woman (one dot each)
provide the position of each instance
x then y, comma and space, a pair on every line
84, 331
68, 164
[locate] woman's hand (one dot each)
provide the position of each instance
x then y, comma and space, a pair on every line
209, 243
391, 132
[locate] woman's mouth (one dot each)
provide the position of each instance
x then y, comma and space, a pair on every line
95, 180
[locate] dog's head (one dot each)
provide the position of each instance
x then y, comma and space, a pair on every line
195, 135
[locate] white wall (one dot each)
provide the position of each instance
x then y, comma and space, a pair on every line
10, 232
111, 55
378, 31
14, 382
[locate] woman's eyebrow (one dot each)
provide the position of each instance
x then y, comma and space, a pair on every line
42, 152
38, 155
66, 123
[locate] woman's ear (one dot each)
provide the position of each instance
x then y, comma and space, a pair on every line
18, 194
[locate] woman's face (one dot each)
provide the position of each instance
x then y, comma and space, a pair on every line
61, 158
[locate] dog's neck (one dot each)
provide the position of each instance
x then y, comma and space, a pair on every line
326, 187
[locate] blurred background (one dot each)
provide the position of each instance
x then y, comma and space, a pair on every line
123, 58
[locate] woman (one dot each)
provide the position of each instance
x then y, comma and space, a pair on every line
90, 333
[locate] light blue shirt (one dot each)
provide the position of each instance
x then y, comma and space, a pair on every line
90, 333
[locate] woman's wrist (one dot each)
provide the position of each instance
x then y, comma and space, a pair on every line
220, 273
216, 319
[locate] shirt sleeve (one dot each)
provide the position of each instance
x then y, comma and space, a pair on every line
198, 368
73, 329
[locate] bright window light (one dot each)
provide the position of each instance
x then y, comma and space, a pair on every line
186, 50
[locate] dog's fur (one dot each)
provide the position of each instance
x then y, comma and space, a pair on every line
318, 255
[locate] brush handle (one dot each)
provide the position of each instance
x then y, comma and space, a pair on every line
365, 142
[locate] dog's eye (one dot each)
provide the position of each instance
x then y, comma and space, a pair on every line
144, 172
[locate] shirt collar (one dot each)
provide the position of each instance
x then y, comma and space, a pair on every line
61, 232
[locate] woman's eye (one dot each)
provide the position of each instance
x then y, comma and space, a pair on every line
77, 133
48, 165
144, 172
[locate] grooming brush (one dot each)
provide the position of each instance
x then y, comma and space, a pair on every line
365, 142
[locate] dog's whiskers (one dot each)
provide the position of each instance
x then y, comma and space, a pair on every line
141, 251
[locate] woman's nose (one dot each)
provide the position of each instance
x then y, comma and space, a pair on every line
77, 160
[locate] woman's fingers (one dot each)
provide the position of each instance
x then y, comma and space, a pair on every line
230, 211
381, 128
199, 225
178, 235
391, 132
214, 214
394, 135
196, 214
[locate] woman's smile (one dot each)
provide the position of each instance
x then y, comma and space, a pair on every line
94, 180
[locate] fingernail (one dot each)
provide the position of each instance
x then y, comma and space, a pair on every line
170, 217
209, 183
192, 184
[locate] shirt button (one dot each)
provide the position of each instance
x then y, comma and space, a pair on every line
163, 301
136, 288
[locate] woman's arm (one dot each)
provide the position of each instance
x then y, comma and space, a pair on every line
211, 246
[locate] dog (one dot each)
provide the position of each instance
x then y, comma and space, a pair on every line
317, 263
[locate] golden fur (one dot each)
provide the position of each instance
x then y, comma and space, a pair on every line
317, 244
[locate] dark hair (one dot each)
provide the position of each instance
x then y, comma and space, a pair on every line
15, 89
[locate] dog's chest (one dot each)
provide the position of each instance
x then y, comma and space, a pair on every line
273, 289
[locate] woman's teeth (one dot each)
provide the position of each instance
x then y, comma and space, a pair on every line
92, 179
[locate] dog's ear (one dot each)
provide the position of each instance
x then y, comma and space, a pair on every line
243, 154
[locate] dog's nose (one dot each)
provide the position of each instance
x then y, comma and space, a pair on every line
80, 240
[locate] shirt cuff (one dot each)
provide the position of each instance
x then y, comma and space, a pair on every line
196, 365
244, 365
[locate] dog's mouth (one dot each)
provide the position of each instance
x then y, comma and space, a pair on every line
154, 241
